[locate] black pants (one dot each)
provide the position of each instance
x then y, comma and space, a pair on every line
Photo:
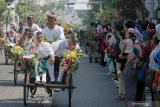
102, 59
140, 90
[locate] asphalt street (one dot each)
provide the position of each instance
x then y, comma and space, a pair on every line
93, 89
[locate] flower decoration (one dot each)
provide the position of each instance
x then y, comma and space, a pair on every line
17, 51
29, 60
71, 60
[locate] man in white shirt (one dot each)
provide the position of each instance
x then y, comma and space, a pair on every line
52, 29
31, 24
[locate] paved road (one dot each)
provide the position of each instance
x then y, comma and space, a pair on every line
93, 89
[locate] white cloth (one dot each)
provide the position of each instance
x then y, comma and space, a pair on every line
61, 72
57, 31
152, 63
35, 27
45, 50
27, 43
12, 39
51, 71
121, 44
109, 63
112, 41
129, 45
60, 47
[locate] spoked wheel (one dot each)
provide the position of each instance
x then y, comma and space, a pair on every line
25, 94
15, 72
6, 58
33, 90
70, 90
49, 91
26, 88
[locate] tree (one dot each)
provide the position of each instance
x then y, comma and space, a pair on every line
131, 9
105, 15
3, 7
97, 4
23, 10
96, 14
29, 8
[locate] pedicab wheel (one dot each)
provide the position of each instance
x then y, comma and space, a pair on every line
6, 59
25, 94
33, 90
15, 77
49, 91
25, 87
70, 90
15, 72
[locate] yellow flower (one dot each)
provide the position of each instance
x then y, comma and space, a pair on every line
16, 50
73, 54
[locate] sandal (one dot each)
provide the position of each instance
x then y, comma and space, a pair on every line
119, 98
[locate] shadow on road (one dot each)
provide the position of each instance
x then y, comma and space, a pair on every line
19, 103
6, 64
10, 83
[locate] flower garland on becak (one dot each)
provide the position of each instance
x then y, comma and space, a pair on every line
28, 63
71, 60
17, 51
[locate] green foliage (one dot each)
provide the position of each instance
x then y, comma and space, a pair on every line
91, 16
28, 8
3, 7
54, 38
23, 10
48, 7
129, 8
96, 14
105, 15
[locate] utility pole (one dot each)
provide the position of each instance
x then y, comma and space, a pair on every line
153, 9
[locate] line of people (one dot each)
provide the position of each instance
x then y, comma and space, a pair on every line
130, 52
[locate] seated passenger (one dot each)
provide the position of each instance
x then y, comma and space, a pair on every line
59, 48
45, 58
12, 37
26, 40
